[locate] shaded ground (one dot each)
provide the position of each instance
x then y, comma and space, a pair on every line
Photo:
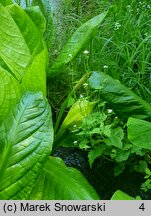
101, 176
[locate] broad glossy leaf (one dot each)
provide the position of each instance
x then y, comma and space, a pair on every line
28, 29
59, 182
13, 48
75, 43
35, 77
41, 3
21, 31
80, 109
37, 17
123, 100
30, 132
120, 195
139, 132
10, 93
45, 6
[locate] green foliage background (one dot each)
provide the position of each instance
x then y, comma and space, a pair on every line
89, 61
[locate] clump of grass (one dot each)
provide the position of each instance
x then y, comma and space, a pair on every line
121, 47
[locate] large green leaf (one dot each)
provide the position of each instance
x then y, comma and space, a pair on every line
79, 110
42, 4
123, 100
20, 40
10, 93
59, 182
76, 42
37, 17
120, 195
23, 52
45, 6
139, 132
30, 32
30, 132
13, 48
35, 77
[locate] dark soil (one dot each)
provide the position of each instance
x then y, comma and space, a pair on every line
101, 176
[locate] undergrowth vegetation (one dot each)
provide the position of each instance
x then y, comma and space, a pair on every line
90, 61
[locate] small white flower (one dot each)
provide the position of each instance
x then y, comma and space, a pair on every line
75, 126
75, 142
109, 110
105, 66
81, 96
147, 36
86, 52
85, 85
129, 8
70, 55
117, 26
55, 51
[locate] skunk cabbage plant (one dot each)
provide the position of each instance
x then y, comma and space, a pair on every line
26, 169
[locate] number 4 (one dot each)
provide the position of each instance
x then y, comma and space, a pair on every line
142, 207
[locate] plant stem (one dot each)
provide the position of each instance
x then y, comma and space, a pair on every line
64, 104
27, 3
77, 7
